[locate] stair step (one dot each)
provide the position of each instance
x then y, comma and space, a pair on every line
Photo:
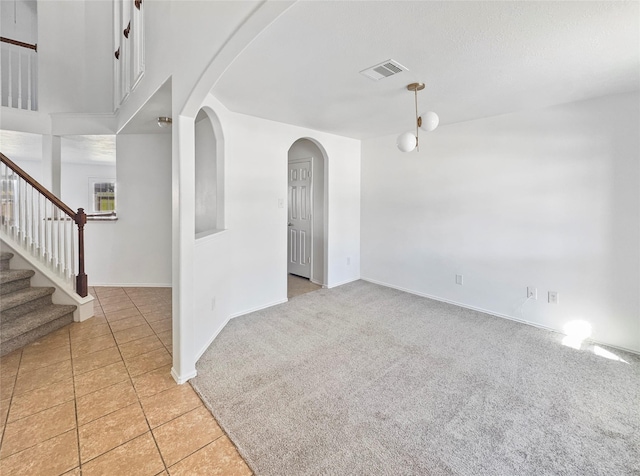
5, 257
8, 275
33, 325
14, 279
24, 301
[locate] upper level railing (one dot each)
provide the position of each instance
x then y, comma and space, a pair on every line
41, 224
19, 70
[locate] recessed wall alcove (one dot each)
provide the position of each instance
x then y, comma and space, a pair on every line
209, 174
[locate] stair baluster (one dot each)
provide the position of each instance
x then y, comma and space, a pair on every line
40, 223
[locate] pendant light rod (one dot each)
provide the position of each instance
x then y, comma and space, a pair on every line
415, 87
415, 92
427, 122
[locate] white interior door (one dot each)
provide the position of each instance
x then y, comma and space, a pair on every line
300, 224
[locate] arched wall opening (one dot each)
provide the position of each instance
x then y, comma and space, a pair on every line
209, 174
305, 148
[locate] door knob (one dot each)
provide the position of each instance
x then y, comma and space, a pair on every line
289, 224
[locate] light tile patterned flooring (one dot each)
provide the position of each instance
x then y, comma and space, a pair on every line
297, 286
97, 398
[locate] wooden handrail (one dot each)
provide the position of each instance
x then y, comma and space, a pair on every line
31, 181
79, 217
102, 215
22, 44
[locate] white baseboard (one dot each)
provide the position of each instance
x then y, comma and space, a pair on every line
226, 321
259, 308
130, 285
319, 284
335, 285
180, 379
491, 313
215, 334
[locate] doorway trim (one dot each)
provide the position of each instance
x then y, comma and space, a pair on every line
323, 160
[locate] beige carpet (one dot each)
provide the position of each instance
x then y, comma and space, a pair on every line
367, 380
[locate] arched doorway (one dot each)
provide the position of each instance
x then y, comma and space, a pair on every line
307, 217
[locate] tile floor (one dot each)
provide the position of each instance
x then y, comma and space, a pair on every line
297, 285
97, 398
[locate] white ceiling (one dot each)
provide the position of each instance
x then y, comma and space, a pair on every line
21, 145
85, 149
89, 149
145, 121
477, 59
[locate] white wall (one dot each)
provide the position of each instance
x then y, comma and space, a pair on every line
181, 38
75, 190
75, 57
32, 167
76, 53
545, 198
244, 268
135, 249
19, 20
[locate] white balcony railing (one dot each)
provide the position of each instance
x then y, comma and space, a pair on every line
19, 74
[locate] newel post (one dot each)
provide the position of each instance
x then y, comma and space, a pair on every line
82, 287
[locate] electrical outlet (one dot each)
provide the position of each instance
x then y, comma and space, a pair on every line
532, 292
281, 203
554, 297
459, 279
348, 260
213, 303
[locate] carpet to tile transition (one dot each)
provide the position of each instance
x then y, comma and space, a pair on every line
363, 379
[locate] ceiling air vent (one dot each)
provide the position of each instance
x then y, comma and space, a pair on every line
383, 70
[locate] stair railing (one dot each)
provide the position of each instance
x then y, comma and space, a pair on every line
20, 81
41, 224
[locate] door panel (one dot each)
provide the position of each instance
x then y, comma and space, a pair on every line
299, 236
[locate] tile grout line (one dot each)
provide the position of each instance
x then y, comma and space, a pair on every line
199, 448
121, 444
136, 393
41, 411
149, 324
80, 463
44, 367
123, 363
75, 396
13, 391
117, 383
155, 442
75, 406
181, 415
74, 399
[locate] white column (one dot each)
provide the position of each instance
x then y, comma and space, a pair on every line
51, 163
183, 224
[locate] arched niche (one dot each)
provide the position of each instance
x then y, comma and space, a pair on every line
209, 174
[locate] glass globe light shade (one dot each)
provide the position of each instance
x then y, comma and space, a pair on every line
406, 142
430, 121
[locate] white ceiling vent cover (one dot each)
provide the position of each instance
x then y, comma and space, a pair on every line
383, 70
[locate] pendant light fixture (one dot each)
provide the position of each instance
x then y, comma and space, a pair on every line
427, 122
